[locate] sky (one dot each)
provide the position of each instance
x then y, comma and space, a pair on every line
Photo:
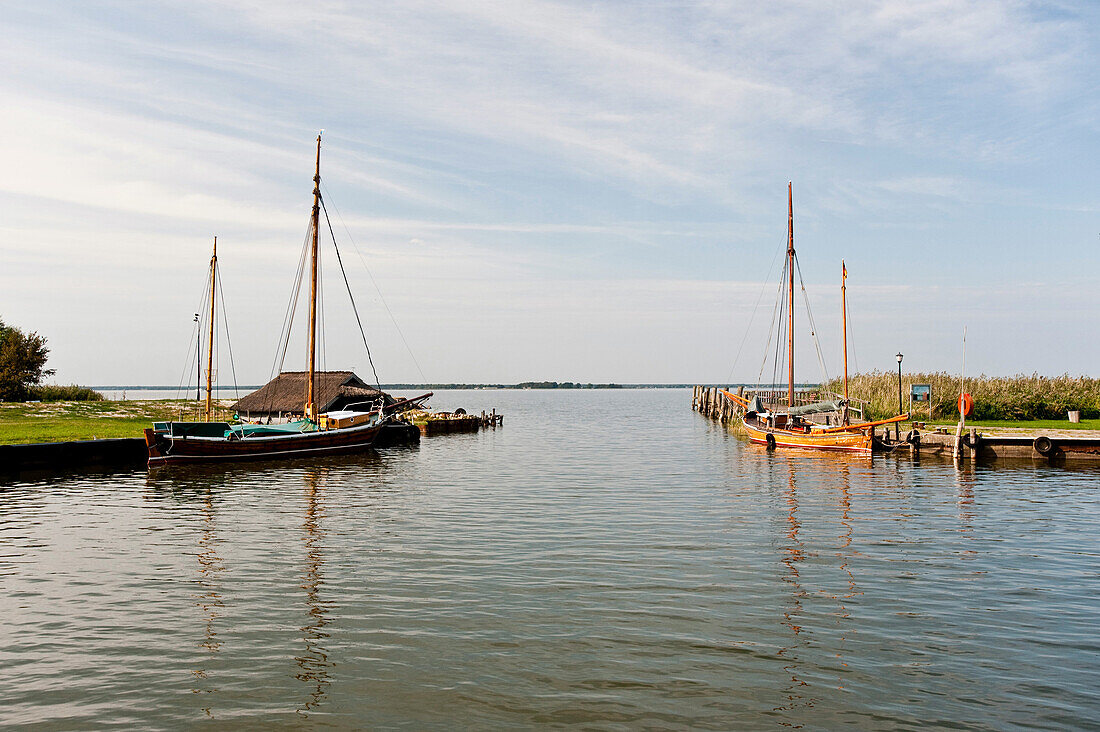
564, 191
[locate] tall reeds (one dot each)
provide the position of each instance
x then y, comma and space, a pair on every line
71, 393
1018, 397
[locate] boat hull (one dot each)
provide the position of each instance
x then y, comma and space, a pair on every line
855, 442
165, 449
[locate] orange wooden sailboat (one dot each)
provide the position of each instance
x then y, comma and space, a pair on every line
792, 427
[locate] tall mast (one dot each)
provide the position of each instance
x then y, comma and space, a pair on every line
210, 342
790, 292
844, 321
311, 396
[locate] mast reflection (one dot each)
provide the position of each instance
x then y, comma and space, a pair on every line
313, 664
209, 599
845, 538
794, 552
964, 481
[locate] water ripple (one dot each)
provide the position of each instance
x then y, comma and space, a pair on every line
606, 560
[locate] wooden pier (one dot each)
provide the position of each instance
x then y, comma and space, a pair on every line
442, 423
708, 401
1055, 447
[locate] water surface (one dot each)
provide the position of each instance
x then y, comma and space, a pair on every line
606, 560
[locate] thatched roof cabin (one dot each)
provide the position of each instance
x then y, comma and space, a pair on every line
286, 394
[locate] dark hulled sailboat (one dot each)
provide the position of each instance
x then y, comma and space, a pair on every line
314, 434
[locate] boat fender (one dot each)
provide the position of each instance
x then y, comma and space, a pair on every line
1043, 445
770, 439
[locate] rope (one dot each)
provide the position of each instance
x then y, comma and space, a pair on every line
852, 350
351, 297
292, 306
378, 290
748, 328
771, 329
186, 374
321, 340
228, 340
813, 325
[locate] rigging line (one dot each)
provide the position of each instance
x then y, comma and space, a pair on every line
292, 308
198, 348
852, 350
768, 344
185, 374
321, 313
813, 325
288, 318
763, 288
351, 297
771, 329
378, 290
780, 352
228, 340
288, 313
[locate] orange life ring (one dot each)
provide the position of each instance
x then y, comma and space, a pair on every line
966, 403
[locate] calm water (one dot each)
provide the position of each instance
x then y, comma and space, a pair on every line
606, 560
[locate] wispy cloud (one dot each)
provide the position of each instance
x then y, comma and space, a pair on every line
543, 151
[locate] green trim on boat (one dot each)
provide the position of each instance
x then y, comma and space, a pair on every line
290, 428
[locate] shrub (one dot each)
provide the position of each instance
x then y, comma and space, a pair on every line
22, 363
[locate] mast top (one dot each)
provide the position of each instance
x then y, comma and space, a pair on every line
790, 218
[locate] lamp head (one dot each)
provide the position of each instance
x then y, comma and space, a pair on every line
899, 357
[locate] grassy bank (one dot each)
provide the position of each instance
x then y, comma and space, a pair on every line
1036, 424
62, 421
996, 399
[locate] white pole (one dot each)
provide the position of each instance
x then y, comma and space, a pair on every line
962, 390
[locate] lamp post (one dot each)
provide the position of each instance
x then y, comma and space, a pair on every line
897, 425
198, 358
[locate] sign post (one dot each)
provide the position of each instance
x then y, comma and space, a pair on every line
920, 397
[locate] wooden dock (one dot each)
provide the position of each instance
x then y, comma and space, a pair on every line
442, 423
1055, 447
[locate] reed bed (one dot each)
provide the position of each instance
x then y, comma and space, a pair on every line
70, 393
1013, 398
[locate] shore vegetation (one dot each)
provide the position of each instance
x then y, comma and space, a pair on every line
23, 366
22, 423
996, 398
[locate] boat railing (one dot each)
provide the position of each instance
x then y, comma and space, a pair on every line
777, 398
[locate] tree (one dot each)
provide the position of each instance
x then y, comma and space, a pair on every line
22, 363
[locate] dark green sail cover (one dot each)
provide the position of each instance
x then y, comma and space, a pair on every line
249, 430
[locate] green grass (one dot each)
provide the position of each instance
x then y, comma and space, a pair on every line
1031, 424
62, 421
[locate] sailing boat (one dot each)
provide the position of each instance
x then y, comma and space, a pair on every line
790, 427
313, 434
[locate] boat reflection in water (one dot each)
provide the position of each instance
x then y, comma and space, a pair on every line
819, 481
216, 493
793, 553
